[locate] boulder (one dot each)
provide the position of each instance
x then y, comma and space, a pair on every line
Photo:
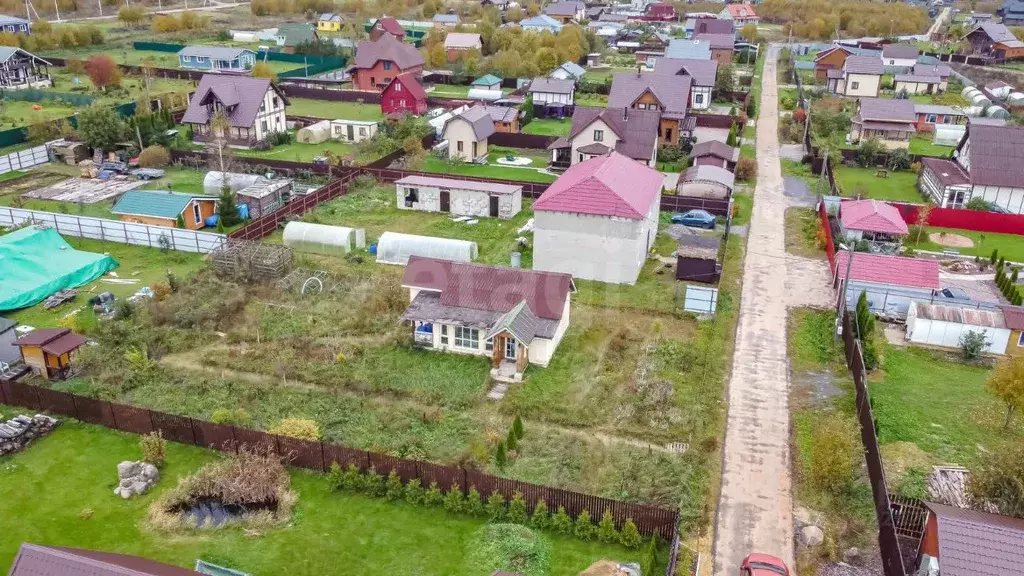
853, 557
135, 478
127, 469
811, 536
150, 472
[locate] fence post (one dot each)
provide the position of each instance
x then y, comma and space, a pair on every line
113, 418
195, 437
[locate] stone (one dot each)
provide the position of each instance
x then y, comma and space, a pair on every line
140, 487
805, 516
18, 432
135, 478
150, 472
127, 469
811, 536
852, 556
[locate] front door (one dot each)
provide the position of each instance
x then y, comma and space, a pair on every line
494, 206
351, 132
474, 151
445, 201
510, 348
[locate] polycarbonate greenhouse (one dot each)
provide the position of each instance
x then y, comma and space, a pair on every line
948, 134
396, 248
323, 239
314, 133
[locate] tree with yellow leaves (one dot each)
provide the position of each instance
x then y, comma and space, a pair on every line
1006, 382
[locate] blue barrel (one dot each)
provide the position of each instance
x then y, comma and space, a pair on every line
211, 221
373, 249
243, 211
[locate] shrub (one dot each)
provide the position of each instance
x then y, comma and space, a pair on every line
512, 442
153, 447
517, 425
351, 479
496, 506
500, 458
373, 483
867, 151
179, 222
584, 529
561, 522
649, 556
834, 453
433, 495
540, 518
237, 417
606, 531
474, 505
746, 169
517, 509
393, 489
972, 344
453, 500
995, 255
154, 157
630, 536
414, 492
1013, 275
335, 476
301, 428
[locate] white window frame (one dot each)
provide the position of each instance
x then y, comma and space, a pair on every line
854, 85
1020, 340
444, 334
931, 118
197, 212
598, 135
467, 338
186, 58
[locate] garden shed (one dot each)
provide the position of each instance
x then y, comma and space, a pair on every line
265, 196
459, 197
323, 239
944, 325
314, 133
397, 248
214, 181
353, 131
697, 258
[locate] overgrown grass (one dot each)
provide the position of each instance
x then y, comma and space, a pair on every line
802, 225
899, 186
75, 467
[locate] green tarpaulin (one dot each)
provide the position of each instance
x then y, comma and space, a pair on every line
36, 262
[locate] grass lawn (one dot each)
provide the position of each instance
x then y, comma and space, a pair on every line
595, 100
127, 55
898, 187
450, 91
605, 74
748, 151
749, 132
12, 175
799, 170
522, 174
548, 127
1010, 246
743, 203
802, 225
924, 147
298, 152
75, 468
334, 110
18, 113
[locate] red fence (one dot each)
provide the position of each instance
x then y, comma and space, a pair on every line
965, 219
319, 456
830, 246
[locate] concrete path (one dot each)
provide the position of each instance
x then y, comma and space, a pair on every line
755, 509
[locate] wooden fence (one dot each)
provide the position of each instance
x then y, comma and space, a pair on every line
319, 456
135, 234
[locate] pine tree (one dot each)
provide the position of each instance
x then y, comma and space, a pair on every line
414, 492
454, 500
474, 504
606, 531
517, 425
500, 458
995, 255
1013, 276
226, 207
865, 318
373, 483
179, 221
512, 442
584, 528
1002, 263
433, 495
630, 536
517, 509
393, 489
561, 522
352, 479
496, 506
731, 140
540, 519
220, 226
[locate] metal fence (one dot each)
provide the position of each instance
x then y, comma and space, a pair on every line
116, 231
24, 159
319, 456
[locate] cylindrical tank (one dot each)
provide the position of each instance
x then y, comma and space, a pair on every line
517, 259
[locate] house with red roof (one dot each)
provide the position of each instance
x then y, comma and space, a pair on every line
377, 62
38, 560
387, 26
871, 220
599, 220
515, 317
890, 282
741, 14
403, 95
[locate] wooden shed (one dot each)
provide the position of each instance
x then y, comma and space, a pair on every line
264, 196
49, 351
697, 258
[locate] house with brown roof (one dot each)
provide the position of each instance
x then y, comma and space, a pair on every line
387, 26
722, 46
715, 153
36, 560
49, 351
705, 25
900, 55
702, 73
988, 163
254, 107
889, 120
515, 317
566, 11
601, 131
467, 134
598, 220
1013, 317
378, 61
668, 94
505, 118
996, 40
964, 542
860, 76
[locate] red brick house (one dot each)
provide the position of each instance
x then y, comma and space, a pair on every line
387, 26
378, 62
403, 95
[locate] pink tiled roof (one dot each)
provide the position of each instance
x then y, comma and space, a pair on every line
872, 216
892, 270
741, 10
613, 185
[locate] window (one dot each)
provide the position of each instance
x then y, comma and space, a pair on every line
412, 195
930, 118
641, 106
196, 212
264, 125
398, 87
946, 120
362, 131
458, 145
489, 344
200, 59
444, 334
276, 102
598, 135
1020, 340
387, 65
467, 337
186, 58
401, 102
698, 98
854, 85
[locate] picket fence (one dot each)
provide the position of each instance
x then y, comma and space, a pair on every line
116, 231
24, 159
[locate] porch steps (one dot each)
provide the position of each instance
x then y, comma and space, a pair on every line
498, 392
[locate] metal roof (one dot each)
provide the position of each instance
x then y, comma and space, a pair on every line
960, 315
7, 51
462, 40
886, 109
717, 41
479, 119
688, 49
901, 51
671, 91
872, 216
889, 270
214, 52
708, 173
487, 80
612, 185
243, 93
703, 72
717, 149
864, 65
35, 560
697, 246
637, 129
949, 173
975, 543
6, 324
917, 79
155, 203
552, 86
387, 47
996, 155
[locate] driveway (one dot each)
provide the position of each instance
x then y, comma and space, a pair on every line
755, 508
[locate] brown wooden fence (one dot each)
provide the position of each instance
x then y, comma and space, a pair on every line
319, 455
513, 140
297, 206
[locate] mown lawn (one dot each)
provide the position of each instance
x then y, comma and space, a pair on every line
1010, 246
75, 468
548, 127
525, 174
450, 91
298, 152
923, 146
334, 110
898, 187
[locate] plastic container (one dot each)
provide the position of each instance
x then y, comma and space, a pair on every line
211, 221
243, 211
373, 248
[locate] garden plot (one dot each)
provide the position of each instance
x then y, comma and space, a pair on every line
83, 190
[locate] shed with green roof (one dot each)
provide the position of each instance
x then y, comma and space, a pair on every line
488, 82
162, 208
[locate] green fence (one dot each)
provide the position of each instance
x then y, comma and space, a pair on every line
38, 95
314, 64
19, 135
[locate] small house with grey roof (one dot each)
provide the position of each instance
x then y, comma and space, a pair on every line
467, 134
512, 316
215, 58
988, 163
889, 120
552, 92
21, 69
254, 108
601, 131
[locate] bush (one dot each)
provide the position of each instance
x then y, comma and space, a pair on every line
606, 531
474, 504
301, 428
154, 157
584, 529
351, 479
630, 536
972, 344
334, 477
414, 492
496, 507
373, 483
867, 151
511, 441
500, 458
517, 425
153, 447
433, 495
746, 169
393, 489
454, 499
517, 509
561, 522
649, 556
540, 519
237, 417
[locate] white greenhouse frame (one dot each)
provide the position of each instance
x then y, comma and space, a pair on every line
322, 239
213, 181
314, 133
396, 248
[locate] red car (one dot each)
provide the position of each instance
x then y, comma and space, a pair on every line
763, 565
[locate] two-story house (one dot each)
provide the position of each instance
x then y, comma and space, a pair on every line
668, 94
889, 120
741, 14
214, 58
377, 62
253, 107
403, 95
988, 163
457, 44
566, 11
551, 92
21, 69
387, 26
990, 39
702, 72
900, 55
600, 131
861, 76
329, 22
467, 133
15, 25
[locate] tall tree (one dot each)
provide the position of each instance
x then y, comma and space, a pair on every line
100, 127
103, 71
1006, 382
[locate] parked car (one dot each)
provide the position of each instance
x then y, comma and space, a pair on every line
695, 219
763, 565
953, 293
